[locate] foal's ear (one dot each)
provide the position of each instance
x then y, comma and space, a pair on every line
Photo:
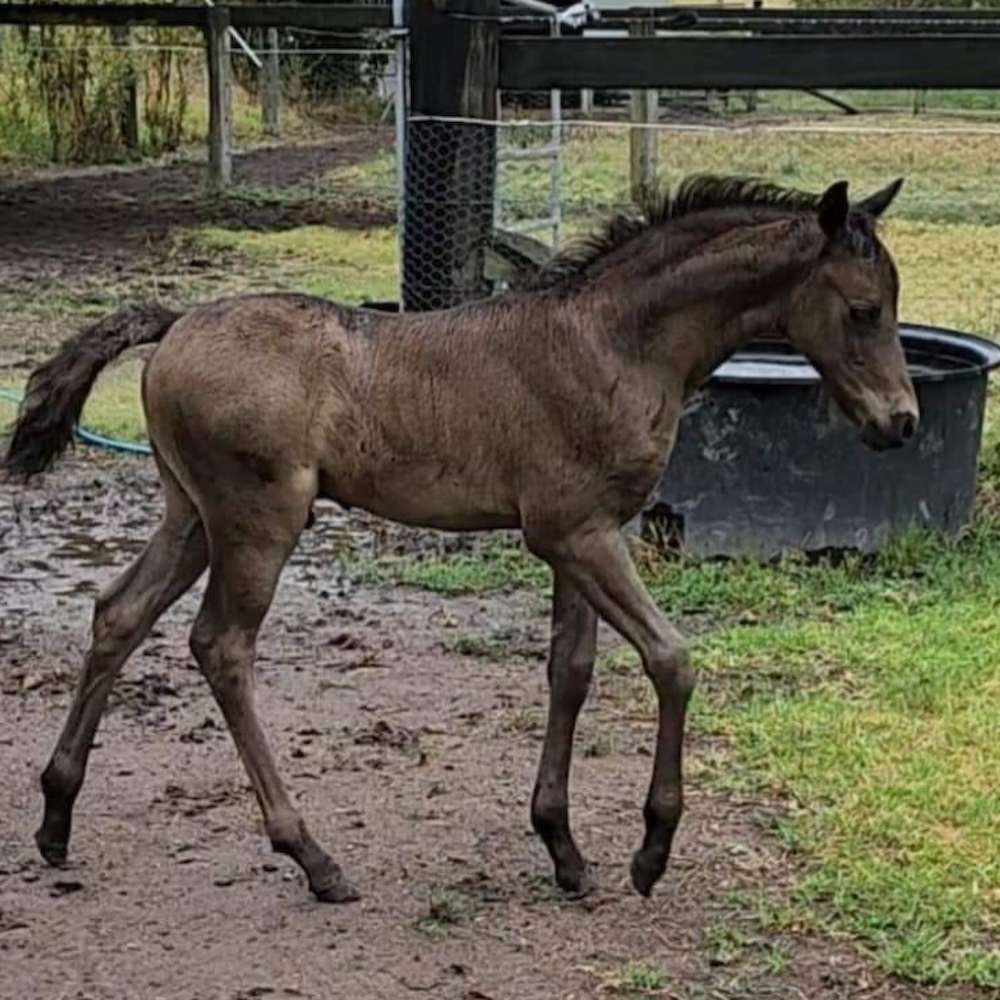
833, 209
875, 204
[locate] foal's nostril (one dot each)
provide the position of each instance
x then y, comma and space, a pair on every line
906, 425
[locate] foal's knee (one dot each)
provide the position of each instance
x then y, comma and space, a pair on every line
569, 679
212, 644
669, 668
224, 655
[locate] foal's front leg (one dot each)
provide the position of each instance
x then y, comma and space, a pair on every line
596, 559
571, 664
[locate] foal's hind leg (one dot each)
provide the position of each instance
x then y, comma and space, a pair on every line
571, 665
124, 613
596, 558
244, 573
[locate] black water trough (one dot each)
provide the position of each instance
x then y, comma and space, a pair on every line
761, 466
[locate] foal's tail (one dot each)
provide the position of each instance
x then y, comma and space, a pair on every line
58, 388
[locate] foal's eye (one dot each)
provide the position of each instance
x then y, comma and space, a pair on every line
866, 315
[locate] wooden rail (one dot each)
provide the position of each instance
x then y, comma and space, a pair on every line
714, 62
328, 17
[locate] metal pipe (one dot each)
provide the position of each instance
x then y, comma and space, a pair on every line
402, 41
538, 6
577, 14
251, 55
555, 171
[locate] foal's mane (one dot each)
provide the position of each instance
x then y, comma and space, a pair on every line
658, 206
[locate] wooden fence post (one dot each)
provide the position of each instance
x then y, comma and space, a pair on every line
220, 163
129, 115
270, 93
644, 111
450, 167
751, 95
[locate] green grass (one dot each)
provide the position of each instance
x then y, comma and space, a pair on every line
633, 979
115, 408
947, 273
501, 566
950, 176
24, 137
881, 725
447, 908
960, 102
350, 265
866, 695
495, 644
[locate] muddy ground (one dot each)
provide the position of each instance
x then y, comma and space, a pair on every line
412, 761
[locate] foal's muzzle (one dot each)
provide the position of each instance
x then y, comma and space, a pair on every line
901, 427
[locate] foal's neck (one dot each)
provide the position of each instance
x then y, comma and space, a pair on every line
691, 315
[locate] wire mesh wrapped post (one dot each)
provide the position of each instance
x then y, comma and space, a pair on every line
450, 166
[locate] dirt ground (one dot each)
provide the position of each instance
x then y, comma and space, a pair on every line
412, 762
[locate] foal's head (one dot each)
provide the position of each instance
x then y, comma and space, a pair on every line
843, 318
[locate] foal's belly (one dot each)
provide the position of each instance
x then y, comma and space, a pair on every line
426, 497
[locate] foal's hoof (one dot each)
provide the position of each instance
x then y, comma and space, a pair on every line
577, 883
646, 871
54, 852
338, 892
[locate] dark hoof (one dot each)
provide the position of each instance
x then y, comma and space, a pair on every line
53, 852
646, 872
577, 883
338, 892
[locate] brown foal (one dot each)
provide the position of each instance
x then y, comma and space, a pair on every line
551, 408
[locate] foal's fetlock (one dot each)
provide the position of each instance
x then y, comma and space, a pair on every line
52, 837
662, 815
290, 837
551, 823
576, 880
53, 851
